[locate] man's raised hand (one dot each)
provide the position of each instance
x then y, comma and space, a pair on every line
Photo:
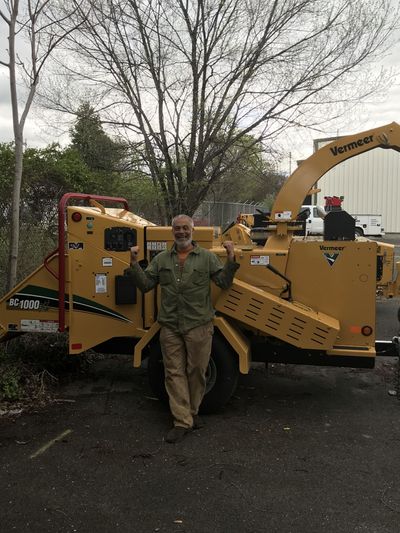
134, 254
229, 247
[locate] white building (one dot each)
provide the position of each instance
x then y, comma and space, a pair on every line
369, 182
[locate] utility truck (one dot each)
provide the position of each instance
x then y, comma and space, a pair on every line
295, 298
365, 226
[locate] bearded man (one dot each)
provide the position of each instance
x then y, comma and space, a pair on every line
186, 317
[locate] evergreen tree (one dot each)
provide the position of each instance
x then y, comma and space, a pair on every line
97, 149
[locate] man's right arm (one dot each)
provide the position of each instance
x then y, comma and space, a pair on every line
145, 280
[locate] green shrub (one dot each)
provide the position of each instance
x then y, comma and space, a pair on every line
30, 366
40, 351
10, 383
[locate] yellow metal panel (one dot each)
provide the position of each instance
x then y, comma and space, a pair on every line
337, 278
137, 358
32, 306
204, 236
92, 270
237, 340
386, 251
290, 321
344, 352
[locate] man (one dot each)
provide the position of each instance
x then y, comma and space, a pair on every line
185, 316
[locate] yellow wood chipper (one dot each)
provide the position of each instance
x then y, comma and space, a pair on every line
295, 298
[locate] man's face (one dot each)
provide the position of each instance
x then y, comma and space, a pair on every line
182, 230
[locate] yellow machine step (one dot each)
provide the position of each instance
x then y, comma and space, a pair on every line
289, 321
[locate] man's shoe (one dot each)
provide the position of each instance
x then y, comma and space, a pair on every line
176, 434
198, 422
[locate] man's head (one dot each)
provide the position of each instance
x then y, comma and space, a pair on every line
182, 228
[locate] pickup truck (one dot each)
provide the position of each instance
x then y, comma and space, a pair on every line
366, 225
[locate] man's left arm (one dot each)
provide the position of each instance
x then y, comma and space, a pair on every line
223, 277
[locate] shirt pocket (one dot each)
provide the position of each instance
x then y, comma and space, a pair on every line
200, 276
165, 276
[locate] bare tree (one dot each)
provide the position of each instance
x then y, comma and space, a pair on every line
32, 37
190, 79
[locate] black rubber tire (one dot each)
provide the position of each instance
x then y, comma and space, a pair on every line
155, 371
222, 375
359, 232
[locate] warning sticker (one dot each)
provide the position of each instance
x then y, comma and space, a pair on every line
283, 215
156, 245
45, 326
107, 262
262, 260
101, 283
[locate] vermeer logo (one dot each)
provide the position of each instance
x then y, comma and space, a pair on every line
75, 245
330, 254
383, 139
351, 146
339, 248
331, 258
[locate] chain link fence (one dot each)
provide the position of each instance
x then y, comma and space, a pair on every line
3, 260
223, 213
34, 245
37, 238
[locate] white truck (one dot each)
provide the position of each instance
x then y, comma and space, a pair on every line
366, 225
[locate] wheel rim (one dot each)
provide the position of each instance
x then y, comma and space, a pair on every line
211, 375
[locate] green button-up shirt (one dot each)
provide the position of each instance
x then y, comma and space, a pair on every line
185, 293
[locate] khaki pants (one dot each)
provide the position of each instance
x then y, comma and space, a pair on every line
186, 358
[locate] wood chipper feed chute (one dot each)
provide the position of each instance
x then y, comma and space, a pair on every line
289, 321
32, 306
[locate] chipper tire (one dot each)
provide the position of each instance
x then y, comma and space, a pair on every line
222, 375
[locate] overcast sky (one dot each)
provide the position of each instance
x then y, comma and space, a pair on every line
380, 110
377, 111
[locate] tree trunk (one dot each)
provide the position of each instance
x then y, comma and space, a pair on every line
43, 36
15, 208
18, 139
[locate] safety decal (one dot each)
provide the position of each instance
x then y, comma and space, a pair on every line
331, 258
259, 260
283, 215
157, 245
43, 326
101, 283
107, 262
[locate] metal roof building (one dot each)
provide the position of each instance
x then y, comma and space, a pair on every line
369, 182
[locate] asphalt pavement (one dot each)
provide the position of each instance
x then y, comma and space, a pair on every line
297, 449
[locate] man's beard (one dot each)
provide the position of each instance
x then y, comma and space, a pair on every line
182, 244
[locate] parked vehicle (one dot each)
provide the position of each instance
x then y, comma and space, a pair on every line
366, 225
